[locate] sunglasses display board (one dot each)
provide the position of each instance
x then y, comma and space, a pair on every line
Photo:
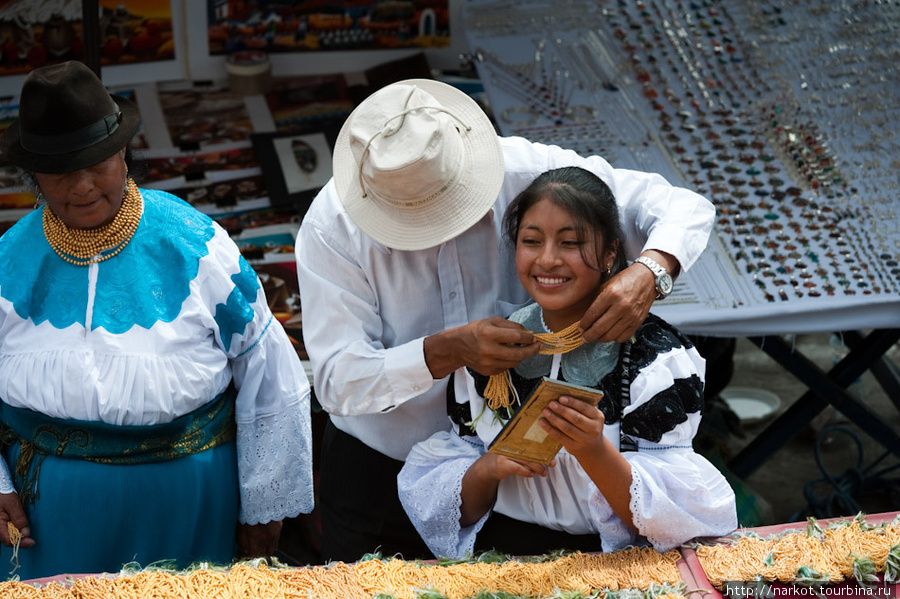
779, 113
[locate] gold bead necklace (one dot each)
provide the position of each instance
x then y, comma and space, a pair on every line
499, 386
559, 343
87, 246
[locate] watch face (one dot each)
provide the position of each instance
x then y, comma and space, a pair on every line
665, 284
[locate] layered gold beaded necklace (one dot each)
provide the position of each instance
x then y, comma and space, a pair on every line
87, 246
499, 389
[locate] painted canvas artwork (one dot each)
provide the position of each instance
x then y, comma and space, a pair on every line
304, 25
34, 34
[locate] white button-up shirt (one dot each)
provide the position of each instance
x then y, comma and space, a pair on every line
367, 308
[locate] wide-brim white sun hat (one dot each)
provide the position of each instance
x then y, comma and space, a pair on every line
417, 163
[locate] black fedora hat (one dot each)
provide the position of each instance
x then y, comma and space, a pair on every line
67, 121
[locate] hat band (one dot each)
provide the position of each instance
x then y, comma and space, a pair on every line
74, 140
448, 183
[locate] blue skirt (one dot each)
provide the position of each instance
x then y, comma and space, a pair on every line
91, 517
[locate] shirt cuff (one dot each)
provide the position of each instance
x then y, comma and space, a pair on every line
406, 369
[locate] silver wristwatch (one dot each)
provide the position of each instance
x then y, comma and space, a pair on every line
664, 282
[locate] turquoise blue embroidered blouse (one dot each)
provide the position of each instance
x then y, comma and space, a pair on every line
154, 333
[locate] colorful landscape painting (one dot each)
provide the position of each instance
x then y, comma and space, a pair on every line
304, 25
34, 34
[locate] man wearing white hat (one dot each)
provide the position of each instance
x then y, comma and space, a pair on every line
404, 278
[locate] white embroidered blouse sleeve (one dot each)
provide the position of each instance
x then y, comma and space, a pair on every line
676, 494
272, 408
430, 486
6, 483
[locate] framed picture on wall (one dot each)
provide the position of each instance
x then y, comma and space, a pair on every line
140, 40
276, 26
331, 35
295, 165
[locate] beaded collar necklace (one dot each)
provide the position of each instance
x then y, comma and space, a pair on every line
499, 387
88, 246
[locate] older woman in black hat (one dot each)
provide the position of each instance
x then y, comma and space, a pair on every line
151, 408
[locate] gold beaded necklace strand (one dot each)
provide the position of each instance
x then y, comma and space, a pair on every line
498, 388
87, 246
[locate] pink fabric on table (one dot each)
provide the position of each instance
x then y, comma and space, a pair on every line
846, 590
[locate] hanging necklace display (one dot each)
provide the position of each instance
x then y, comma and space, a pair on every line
543, 89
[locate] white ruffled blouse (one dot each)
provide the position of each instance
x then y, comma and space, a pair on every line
676, 494
152, 334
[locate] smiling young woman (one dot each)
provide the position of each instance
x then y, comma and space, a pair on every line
553, 265
627, 469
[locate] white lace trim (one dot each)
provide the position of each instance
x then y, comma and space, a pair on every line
636, 503
274, 465
679, 498
614, 533
6, 483
430, 489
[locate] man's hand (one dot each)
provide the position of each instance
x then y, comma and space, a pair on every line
11, 511
258, 540
624, 301
486, 346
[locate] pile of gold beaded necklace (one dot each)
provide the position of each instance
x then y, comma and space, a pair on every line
87, 246
499, 386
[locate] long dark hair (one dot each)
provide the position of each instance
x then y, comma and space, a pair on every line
587, 198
